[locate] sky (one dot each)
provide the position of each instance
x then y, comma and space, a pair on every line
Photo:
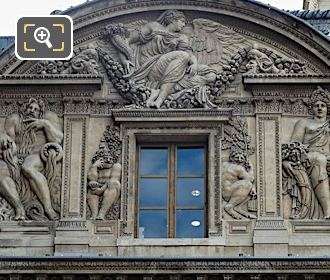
12, 10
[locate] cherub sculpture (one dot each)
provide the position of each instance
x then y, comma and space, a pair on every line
238, 185
237, 178
104, 175
104, 183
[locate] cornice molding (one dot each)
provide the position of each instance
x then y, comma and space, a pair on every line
73, 79
64, 265
282, 22
286, 79
193, 115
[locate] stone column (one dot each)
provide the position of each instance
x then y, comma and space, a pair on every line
72, 233
270, 235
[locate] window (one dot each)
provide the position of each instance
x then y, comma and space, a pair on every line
171, 191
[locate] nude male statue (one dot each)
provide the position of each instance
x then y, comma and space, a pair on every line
104, 181
31, 129
237, 185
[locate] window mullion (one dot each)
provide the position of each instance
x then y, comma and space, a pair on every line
172, 192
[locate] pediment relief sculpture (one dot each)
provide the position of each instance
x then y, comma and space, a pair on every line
306, 163
104, 177
30, 155
238, 187
172, 63
176, 63
84, 61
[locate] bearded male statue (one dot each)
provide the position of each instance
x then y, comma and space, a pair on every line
38, 136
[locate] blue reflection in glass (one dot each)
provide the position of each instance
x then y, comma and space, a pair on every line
190, 192
153, 224
190, 161
184, 227
153, 161
153, 192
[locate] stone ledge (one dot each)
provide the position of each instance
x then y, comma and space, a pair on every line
58, 79
86, 264
250, 79
150, 115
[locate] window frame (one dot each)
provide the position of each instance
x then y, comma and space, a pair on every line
147, 126
172, 144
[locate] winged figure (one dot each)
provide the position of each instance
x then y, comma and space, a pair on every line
170, 56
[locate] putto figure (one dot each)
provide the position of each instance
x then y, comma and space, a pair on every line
237, 180
104, 181
237, 185
305, 162
38, 137
104, 176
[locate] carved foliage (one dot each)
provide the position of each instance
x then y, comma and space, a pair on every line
110, 146
237, 137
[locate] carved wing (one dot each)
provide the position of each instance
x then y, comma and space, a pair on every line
214, 43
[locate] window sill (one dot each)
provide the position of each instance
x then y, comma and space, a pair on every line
172, 241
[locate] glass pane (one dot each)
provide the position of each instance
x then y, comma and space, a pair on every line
153, 192
190, 224
152, 224
153, 161
190, 192
190, 161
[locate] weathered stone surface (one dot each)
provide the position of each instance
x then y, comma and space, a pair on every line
236, 77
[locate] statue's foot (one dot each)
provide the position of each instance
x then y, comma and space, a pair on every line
251, 216
20, 215
100, 217
230, 210
149, 103
244, 213
52, 215
327, 215
158, 103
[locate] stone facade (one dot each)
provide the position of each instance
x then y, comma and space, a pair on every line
316, 4
247, 85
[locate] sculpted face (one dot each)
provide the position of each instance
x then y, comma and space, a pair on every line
33, 110
180, 23
177, 25
319, 109
239, 158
